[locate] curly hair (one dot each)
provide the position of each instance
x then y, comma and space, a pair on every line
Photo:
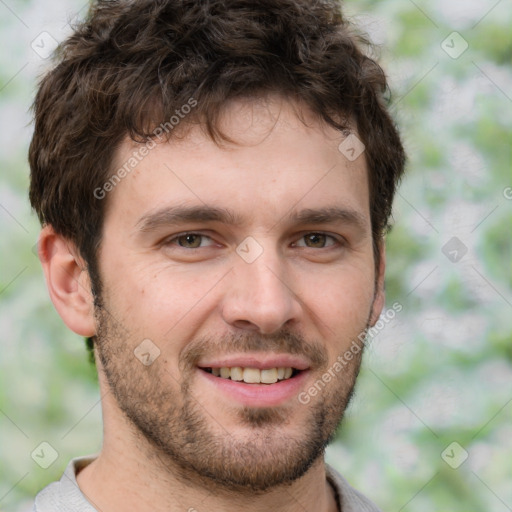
131, 64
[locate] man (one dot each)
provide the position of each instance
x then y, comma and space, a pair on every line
214, 180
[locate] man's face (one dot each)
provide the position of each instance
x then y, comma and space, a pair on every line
255, 256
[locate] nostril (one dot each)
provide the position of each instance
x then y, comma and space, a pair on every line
245, 325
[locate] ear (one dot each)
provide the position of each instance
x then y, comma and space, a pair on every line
380, 295
68, 281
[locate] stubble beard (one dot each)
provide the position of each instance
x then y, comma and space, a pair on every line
183, 439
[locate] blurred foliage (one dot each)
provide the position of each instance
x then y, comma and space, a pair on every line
440, 372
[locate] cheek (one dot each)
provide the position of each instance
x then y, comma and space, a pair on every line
339, 309
342, 302
164, 301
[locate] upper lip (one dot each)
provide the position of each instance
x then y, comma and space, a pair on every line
260, 361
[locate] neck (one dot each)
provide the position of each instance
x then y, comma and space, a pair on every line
131, 474
120, 479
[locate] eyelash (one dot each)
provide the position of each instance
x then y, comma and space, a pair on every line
337, 241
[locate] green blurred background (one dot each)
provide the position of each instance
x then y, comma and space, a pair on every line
439, 373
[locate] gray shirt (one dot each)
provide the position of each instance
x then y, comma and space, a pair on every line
65, 495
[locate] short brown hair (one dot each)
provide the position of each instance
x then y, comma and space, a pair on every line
133, 63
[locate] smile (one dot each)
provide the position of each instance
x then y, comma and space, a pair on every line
253, 375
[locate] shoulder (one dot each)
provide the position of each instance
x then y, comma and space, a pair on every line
65, 495
350, 499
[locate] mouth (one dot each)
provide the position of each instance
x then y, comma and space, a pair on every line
254, 380
250, 375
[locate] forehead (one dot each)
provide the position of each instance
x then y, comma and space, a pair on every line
277, 163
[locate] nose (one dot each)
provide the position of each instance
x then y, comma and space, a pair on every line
260, 296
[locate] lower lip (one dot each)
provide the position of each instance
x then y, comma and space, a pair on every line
258, 395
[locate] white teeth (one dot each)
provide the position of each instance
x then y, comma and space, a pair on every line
268, 376
253, 375
237, 373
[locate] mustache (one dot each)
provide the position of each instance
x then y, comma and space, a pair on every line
284, 342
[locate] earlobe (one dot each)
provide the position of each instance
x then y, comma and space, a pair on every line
380, 294
68, 282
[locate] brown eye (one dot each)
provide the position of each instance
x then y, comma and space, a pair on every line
189, 241
318, 240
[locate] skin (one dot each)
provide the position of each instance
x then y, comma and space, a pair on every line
204, 303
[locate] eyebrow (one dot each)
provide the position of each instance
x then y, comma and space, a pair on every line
181, 214
330, 215
175, 215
